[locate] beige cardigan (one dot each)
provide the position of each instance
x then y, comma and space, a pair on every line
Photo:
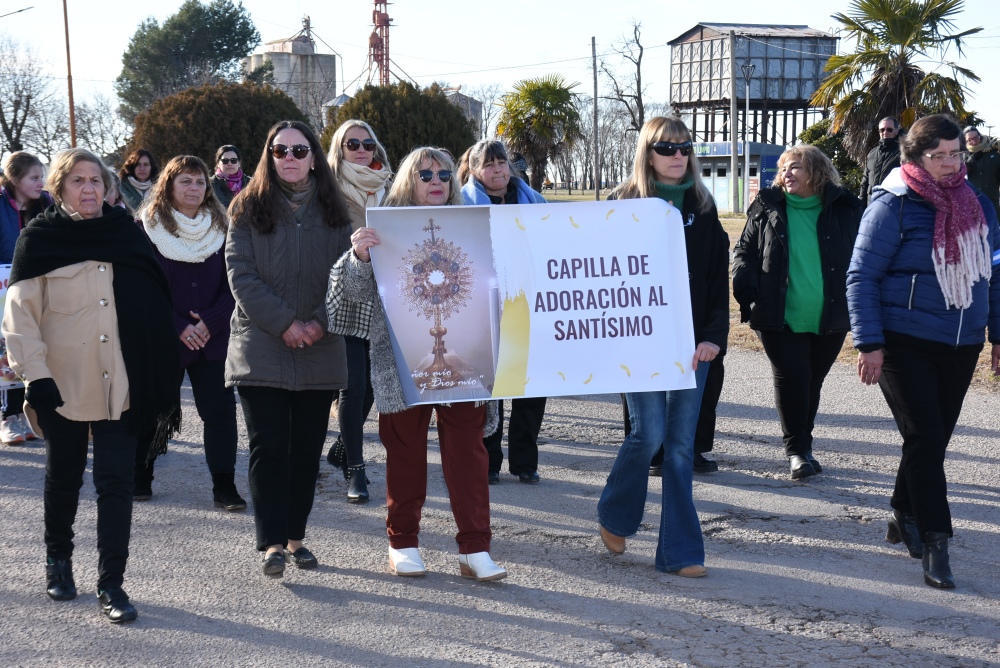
64, 326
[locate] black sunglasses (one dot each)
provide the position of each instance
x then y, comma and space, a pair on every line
299, 151
355, 144
229, 161
426, 175
669, 148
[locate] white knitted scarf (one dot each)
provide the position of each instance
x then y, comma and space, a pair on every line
195, 240
364, 185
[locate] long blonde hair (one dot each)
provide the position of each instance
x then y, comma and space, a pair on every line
642, 182
401, 193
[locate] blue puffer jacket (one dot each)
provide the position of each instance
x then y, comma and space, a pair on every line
473, 192
891, 284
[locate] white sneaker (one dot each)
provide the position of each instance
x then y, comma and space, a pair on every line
406, 562
11, 431
480, 566
26, 426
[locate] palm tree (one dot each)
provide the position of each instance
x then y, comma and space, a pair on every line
885, 76
539, 119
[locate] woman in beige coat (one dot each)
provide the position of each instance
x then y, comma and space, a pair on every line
86, 304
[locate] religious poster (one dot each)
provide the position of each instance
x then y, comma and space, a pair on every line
491, 302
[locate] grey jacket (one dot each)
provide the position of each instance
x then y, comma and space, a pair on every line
277, 278
356, 280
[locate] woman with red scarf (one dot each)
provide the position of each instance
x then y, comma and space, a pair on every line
229, 179
924, 282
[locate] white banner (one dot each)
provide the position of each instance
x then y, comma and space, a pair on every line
535, 300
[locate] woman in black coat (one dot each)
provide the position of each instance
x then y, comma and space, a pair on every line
789, 277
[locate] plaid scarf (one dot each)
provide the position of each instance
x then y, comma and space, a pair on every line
961, 248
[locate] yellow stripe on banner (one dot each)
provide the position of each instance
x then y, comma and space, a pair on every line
515, 340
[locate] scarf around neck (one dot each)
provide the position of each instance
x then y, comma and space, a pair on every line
234, 181
194, 241
961, 249
141, 186
363, 185
298, 194
142, 304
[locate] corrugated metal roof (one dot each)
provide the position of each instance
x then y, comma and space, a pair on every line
757, 30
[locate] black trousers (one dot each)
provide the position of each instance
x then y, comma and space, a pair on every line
523, 426
924, 384
704, 437
65, 460
356, 401
13, 401
287, 430
216, 405
800, 363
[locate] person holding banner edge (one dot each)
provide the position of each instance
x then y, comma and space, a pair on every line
424, 179
666, 167
491, 181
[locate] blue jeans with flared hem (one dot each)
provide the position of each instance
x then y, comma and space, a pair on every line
667, 418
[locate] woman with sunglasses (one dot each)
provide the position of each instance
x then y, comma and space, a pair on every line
491, 181
137, 177
789, 277
361, 167
424, 179
229, 179
921, 289
666, 167
289, 226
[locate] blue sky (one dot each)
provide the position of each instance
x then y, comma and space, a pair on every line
461, 43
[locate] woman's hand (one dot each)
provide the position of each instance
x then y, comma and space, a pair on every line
870, 366
705, 352
192, 338
362, 240
296, 335
315, 331
201, 326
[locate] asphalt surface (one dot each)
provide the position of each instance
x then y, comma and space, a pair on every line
799, 572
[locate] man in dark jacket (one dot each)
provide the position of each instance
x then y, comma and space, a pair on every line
983, 165
882, 159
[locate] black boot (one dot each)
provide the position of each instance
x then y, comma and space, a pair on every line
801, 467
225, 493
903, 527
143, 482
337, 456
59, 578
357, 487
116, 606
937, 572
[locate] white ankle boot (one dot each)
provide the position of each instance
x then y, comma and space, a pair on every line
406, 562
480, 566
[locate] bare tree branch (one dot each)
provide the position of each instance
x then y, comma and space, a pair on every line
628, 89
21, 88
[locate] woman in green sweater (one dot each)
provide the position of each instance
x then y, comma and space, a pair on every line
789, 277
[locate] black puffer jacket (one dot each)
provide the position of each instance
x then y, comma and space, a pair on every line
881, 160
760, 260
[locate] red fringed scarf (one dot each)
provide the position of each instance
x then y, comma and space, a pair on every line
961, 251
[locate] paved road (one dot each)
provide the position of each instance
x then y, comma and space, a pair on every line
799, 572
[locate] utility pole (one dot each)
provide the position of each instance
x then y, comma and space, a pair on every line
597, 144
69, 81
734, 165
747, 73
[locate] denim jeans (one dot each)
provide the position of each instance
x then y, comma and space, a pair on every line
670, 419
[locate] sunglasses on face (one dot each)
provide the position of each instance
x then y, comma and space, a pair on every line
427, 175
356, 144
229, 161
669, 148
299, 151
